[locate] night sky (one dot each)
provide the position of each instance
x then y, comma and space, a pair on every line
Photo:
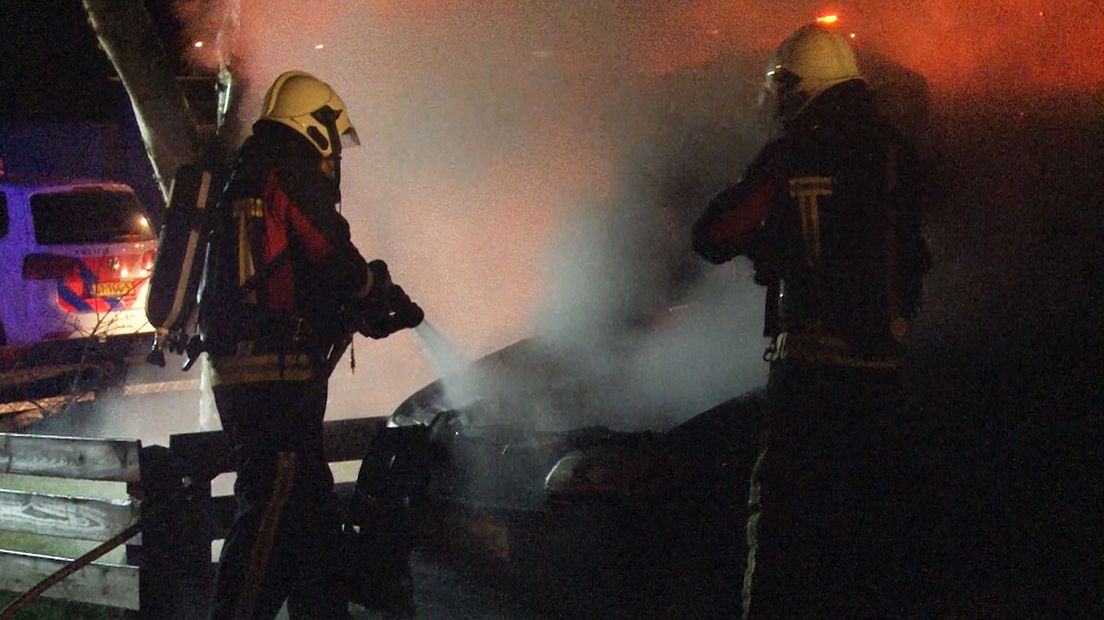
53, 68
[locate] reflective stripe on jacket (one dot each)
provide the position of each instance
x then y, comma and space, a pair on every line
238, 369
823, 350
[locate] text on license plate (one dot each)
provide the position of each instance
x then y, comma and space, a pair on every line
115, 289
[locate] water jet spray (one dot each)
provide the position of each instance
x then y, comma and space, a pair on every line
451, 366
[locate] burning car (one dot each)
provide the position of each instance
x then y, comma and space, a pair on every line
511, 473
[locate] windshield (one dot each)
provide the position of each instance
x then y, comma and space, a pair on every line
91, 215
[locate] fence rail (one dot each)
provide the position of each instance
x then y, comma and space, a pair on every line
111, 585
168, 570
69, 517
65, 516
70, 457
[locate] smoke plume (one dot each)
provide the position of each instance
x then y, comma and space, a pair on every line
531, 168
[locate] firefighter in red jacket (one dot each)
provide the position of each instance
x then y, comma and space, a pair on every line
829, 216
282, 280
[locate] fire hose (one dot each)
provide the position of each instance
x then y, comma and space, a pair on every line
406, 315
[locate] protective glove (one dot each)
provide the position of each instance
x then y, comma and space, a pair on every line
758, 250
404, 313
387, 308
381, 275
373, 320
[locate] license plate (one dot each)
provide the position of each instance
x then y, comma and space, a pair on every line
114, 289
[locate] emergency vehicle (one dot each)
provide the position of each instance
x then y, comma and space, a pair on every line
75, 260
75, 263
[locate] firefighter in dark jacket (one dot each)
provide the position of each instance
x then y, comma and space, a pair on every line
829, 216
282, 279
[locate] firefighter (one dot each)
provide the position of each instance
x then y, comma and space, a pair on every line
282, 278
829, 216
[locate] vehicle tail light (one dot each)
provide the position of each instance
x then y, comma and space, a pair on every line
49, 267
147, 262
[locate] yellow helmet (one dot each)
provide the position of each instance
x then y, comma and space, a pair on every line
312, 108
810, 61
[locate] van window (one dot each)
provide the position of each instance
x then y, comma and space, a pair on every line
91, 215
3, 214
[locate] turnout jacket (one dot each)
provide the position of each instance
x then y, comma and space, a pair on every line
829, 214
281, 264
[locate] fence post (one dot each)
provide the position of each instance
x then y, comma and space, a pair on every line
176, 547
195, 529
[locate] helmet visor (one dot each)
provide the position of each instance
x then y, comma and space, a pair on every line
782, 91
350, 138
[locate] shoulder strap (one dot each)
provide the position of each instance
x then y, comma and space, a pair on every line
262, 276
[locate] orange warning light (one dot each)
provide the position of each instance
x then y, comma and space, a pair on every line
827, 20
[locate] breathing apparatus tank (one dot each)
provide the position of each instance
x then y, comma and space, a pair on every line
178, 266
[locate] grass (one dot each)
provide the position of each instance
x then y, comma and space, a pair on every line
50, 609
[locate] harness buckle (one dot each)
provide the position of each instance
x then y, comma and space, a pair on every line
297, 331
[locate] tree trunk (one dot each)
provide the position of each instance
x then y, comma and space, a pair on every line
231, 84
168, 128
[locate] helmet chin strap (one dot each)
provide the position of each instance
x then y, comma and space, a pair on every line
328, 117
337, 172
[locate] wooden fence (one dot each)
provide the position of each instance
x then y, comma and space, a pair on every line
169, 569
